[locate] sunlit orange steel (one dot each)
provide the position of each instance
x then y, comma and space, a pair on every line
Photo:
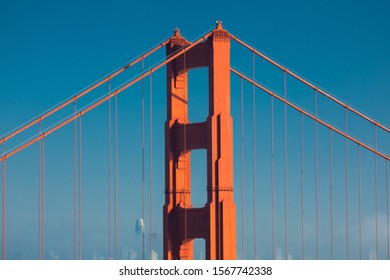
299, 109
216, 221
345, 105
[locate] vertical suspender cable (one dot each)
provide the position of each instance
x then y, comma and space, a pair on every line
39, 193
43, 198
185, 154
109, 132
151, 156
80, 189
242, 170
376, 195
346, 184
184, 197
316, 170
273, 177
387, 208
75, 183
254, 154
3, 210
302, 191
143, 162
116, 176
285, 164
331, 192
360, 207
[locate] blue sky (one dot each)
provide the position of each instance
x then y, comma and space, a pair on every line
51, 50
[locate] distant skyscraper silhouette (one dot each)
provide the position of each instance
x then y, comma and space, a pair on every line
139, 226
138, 239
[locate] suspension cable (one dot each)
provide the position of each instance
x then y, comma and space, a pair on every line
150, 156
273, 176
104, 99
43, 198
143, 161
184, 195
387, 208
109, 134
242, 170
331, 192
299, 109
310, 84
316, 169
116, 177
360, 207
346, 185
254, 154
39, 193
302, 190
376, 195
285, 164
185, 157
4, 201
84, 92
80, 188
75, 184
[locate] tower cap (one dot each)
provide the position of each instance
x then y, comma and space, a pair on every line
219, 24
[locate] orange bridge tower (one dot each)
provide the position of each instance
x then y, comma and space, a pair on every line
216, 221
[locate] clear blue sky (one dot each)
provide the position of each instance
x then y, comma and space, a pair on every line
52, 49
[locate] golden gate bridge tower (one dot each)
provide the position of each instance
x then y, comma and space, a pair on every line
337, 180
216, 221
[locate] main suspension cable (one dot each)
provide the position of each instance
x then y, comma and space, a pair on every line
84, 92
104, 99
309, 84
316, 119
